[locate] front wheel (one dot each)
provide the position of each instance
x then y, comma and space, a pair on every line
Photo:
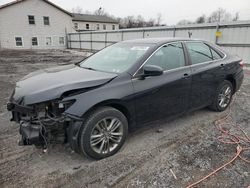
103, 133
223, 96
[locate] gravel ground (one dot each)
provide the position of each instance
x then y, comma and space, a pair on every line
169, 153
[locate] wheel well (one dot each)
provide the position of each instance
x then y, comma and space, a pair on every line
116, 105
121, 108
231, 79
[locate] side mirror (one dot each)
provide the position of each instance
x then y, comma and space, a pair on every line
152, 70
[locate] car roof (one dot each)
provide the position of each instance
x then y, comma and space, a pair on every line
158, 40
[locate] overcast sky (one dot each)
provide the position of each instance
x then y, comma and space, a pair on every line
172, 10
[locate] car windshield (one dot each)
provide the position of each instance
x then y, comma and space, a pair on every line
116, 58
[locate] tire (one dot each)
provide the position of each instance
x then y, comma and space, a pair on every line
103, 133
222, 94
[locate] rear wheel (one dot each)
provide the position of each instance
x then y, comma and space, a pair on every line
103, 133
223, 96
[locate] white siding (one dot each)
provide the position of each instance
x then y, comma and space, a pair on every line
93, 25
14, 23
243, 52
235, 35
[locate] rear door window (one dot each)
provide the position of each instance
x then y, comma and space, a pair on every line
200, 52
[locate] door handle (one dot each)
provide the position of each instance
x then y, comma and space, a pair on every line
185, 76
222, 65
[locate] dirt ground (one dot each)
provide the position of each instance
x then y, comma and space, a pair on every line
185, 147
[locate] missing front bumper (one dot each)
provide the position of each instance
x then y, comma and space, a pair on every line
32, 134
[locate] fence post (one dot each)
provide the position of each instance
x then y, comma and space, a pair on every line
80, 41
174, 32
122, 36
106, 33
66, 39
217, 29
69, 41
91, 45
143, 33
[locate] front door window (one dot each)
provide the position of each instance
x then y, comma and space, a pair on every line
168, 57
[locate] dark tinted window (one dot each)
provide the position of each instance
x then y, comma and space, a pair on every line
31, 19
34, 41
168, 57
19, 41
200, 52
46, 20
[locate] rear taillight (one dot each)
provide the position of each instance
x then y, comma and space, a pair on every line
241, 63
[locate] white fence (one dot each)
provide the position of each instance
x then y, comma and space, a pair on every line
235, 36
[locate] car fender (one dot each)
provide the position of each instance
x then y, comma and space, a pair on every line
115, 92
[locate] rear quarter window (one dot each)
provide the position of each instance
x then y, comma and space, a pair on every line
215, 54
200, 52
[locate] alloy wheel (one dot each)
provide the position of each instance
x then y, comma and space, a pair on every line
224, 96
106, 135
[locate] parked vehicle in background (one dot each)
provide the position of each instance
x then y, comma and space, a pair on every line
94, 103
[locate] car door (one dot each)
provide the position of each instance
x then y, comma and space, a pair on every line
207, 72
161, 96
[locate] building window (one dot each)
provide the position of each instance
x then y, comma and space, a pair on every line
113, 27
61, 40
87, 26
46, 20
98, 27
76, 26
34, 41
19, 41
104, 27
48, 41
31, 20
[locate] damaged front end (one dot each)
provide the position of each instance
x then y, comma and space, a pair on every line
41, 124
41, 99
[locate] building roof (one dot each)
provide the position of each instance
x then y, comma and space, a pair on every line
76, 17
93, 18
46, 1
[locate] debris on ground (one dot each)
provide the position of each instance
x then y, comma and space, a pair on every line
186, 150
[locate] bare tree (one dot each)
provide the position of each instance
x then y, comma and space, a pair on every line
150, 23
201, 19
236, 16
77, 10
184, 22
101, 12
158, 19
130, 21
220, 15
140, 22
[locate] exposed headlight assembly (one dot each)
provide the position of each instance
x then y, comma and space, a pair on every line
65, 104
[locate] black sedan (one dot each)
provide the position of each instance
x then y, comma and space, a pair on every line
92, 104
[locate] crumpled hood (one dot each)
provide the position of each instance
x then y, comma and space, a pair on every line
49, 84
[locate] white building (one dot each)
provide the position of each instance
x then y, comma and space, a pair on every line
40, 24
85, 22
